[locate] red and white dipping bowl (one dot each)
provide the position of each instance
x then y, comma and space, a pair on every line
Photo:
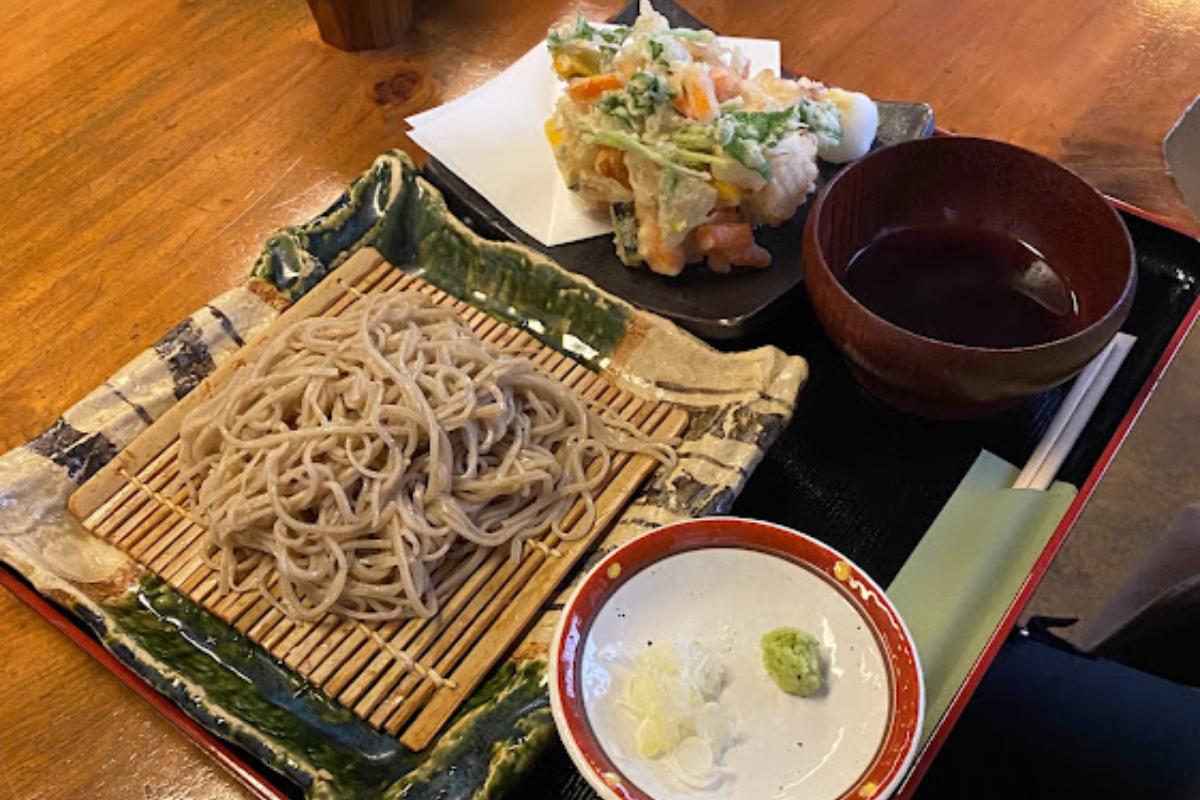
733, 580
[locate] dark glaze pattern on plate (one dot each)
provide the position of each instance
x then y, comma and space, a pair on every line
712, 305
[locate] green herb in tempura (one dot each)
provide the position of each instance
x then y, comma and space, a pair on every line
643, 94
582, 30
658, 53
582, 49
822, 118
745, 135
625, 233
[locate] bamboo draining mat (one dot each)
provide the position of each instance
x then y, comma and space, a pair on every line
406, 678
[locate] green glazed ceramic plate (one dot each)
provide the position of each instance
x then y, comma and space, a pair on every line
737, 403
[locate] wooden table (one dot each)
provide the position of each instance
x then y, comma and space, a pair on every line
147, 149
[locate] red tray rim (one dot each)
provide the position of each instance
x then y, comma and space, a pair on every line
265, 788
946, 724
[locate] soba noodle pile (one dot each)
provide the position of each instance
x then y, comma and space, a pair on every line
373, 460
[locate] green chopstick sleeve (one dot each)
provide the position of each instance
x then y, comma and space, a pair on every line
960, 580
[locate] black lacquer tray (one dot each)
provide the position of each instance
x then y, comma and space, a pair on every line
869, 480
862, 477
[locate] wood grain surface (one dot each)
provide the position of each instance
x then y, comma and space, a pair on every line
72, 730
147, 148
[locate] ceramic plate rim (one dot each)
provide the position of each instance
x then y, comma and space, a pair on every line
901, 742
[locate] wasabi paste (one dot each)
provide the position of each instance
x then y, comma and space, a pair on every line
793, 660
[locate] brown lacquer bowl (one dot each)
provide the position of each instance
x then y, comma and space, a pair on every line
976, 182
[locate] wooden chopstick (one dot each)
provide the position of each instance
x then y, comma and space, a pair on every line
1073, 415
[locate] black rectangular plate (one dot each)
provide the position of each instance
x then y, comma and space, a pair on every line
707, 303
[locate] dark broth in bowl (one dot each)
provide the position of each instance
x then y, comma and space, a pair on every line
964, 285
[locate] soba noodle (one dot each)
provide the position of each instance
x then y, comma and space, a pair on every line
372, 461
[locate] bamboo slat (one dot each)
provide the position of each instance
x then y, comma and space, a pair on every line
405, 677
